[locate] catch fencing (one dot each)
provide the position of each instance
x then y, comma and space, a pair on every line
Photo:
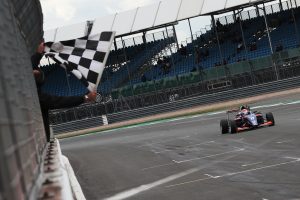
176, 105
22, 137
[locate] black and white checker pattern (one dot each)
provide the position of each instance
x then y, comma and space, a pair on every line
84, 57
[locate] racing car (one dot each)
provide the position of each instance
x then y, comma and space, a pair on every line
245, 119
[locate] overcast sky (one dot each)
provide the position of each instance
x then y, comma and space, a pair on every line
63, 12
59, 13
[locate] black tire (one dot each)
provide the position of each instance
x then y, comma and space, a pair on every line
224, 126
270, 118
233, 126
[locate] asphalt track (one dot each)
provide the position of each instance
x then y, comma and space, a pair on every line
189, 159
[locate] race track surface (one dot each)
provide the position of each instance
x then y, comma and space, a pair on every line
189, 159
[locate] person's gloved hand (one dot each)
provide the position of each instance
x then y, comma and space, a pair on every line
90, 97
49, 55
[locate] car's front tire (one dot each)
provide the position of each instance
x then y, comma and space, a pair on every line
270, 118
224, 126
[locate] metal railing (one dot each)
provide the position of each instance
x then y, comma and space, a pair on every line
175, 105
196, 83
241, 84
244, 92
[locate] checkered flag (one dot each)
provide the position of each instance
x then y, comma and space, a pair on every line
84, 57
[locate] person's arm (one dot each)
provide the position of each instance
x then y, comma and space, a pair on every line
35, 60
56, 102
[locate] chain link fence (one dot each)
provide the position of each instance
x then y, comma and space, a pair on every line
22, 137
244, 74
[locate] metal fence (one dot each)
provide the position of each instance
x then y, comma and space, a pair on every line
22, 137
238, 86
175, 105
279, 66
217, 97
271, 9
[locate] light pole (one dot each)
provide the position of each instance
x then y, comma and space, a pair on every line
270, 42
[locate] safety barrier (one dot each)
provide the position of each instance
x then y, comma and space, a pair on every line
78, 125
205, 99
244, 92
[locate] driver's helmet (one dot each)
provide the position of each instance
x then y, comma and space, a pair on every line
242, 107
244, 112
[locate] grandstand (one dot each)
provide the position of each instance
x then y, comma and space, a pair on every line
247, 45
254, 33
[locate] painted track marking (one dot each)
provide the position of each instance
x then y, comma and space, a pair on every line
150, 144
185, 147
209, 156
134, 191
295, 160
211, 176
250, 164
190, 160
157, 166
284, 141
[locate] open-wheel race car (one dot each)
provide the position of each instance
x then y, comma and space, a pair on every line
245, 119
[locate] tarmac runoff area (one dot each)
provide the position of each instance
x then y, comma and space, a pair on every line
188, 158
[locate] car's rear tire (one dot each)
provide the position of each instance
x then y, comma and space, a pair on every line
224, 126
233, 126
270, 118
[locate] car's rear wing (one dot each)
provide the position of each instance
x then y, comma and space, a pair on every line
232, 111
237, 110
228, 112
